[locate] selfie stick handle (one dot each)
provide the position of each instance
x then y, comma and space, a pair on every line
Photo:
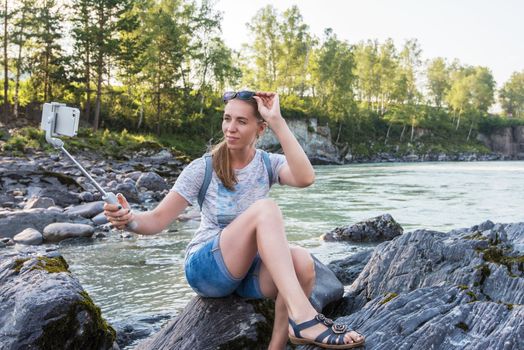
108, 197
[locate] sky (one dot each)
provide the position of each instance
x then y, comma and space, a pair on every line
476, 32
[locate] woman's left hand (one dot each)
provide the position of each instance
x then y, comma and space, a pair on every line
269, 107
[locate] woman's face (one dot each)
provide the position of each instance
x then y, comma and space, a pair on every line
240, 125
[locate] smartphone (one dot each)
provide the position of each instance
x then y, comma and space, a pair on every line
66, 122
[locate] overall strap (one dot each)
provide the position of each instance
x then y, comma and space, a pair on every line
269, 169
207, 179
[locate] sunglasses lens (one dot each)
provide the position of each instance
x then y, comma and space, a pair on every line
229, 95
245, 95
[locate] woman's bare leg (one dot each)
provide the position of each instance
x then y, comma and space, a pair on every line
261, 228
305, 271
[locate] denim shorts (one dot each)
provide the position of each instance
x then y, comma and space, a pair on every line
208, 275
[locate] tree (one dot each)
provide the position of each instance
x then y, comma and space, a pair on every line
407, 92
83, 36
6, 15
511, 95
438, 82
296, 46
266, 48
21, 34
107, 13
387, 69
334, 79
366, 66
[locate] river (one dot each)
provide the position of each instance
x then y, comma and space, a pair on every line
140, 277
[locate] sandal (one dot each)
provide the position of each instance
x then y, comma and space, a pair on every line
335, 334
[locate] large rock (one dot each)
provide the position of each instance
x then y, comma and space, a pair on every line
314, 139
13, 222
29, 236
129, 191
88, 210
223, 323
43, 306
152, 181
39, 202
427, 258
234, 323
440, 318
507, 141
60, 195
432, 290
59, 231
377, 229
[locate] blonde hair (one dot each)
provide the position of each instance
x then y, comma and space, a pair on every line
222, 159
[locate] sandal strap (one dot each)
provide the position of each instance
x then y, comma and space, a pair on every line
301, 326
333, 338
324, 334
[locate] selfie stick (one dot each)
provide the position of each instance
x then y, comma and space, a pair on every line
49, 123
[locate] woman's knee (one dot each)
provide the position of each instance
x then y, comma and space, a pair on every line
304, 265
266, 207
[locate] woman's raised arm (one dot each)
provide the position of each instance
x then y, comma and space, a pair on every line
298, 172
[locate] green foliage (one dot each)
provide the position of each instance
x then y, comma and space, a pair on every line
25, 140
511, 96
490, 124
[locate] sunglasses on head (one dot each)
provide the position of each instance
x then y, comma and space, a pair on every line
241, 95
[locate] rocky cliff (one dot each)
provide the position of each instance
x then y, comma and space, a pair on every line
507, 141
315, 139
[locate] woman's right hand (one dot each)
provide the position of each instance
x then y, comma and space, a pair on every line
119, 215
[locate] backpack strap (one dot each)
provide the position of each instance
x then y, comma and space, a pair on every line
209, 172
269, 169
207, 179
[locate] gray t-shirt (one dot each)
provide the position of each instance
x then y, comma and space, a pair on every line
221, 206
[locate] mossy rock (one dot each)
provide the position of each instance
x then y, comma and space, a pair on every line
84, 316
45, 307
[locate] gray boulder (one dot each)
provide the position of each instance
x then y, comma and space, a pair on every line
206, 323
59, 231
39, 202
29, 236
152, 181
438, 317
60, 195
87, 210
432, 290
427, 258
43, 306
377, 229
232, 322
129, 191
13, 222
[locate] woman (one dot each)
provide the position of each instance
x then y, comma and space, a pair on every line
241, 246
